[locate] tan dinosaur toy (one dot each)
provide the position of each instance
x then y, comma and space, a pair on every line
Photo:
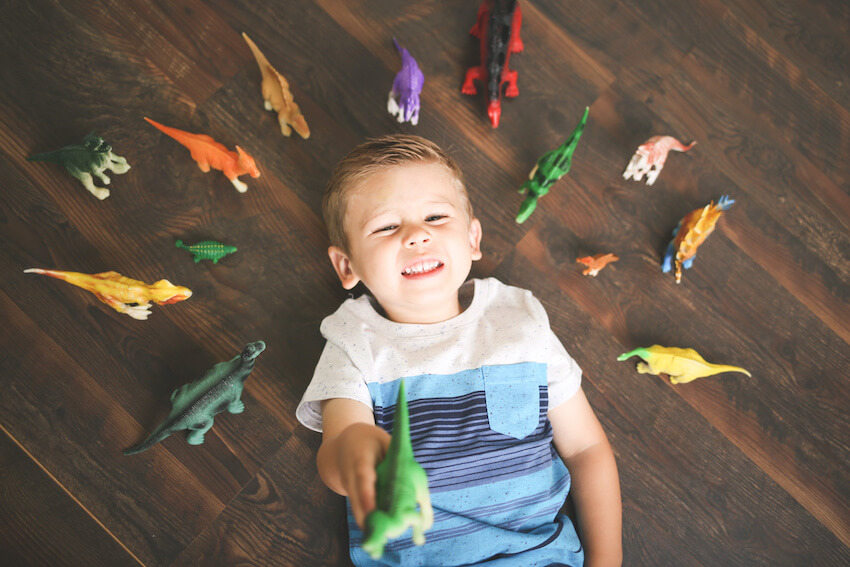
120, 293
277, 96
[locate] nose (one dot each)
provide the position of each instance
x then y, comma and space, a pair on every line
415, 236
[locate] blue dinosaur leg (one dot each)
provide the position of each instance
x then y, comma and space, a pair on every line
689, 262
667, 264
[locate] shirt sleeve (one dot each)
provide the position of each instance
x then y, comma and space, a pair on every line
335, 376
563, 373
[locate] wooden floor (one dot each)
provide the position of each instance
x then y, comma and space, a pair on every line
726, 470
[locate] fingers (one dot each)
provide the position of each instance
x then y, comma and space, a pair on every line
362, 492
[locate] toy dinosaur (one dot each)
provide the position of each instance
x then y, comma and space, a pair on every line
207, 250
195, 405
497, 26
123, 294
550, 168
277, 96
680, 364
650, 157
84, 161
596, 263
401, 484
690, 233
404, 96
209, 153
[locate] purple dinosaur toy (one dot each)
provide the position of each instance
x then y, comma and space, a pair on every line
404, 98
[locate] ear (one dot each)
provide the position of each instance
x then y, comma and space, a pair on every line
475, 235
343, 267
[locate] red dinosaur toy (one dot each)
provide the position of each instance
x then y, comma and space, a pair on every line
210, 154
498, 27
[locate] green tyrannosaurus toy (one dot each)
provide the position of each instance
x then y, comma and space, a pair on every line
91, 158
400, 486
194, 405
207, 250
550, 168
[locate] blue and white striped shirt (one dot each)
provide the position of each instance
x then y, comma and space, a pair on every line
478, 387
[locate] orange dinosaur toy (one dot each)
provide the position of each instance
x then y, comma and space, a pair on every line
596, 263
209, 153
690, 233
277, 96
120, 292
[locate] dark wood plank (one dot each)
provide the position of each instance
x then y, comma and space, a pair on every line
43, 524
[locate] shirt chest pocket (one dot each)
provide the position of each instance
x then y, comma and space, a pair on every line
512, 394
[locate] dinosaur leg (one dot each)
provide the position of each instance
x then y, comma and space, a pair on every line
102, 176
87, 181
196, 437
139, 312
414, 120
652, 174
392, 104
283, 121
472, 74
511, 78
236, 406
203, 165
667, 265
644, 368
689, 262
240, 186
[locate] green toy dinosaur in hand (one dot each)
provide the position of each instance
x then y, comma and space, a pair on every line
550, 168
402, 484
194, 405
207, 250
91, 158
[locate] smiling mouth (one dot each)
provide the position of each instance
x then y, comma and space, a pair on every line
422, 268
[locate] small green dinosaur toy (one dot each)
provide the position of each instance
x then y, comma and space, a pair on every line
401, 484
91, 158
207, 250
194, 405
550, 168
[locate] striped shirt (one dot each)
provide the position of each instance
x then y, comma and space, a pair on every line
478, 387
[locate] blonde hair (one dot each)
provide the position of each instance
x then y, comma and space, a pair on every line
370, 157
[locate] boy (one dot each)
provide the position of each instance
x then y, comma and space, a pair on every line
494, 400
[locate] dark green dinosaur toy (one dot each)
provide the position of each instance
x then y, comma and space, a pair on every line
207, 250
401, 484
91, 158
194, 405
550, 168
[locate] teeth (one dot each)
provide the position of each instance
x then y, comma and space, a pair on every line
422, 268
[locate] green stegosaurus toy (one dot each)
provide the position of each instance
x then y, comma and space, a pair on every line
207, 250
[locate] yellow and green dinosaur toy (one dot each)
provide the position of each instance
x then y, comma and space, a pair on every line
682, 365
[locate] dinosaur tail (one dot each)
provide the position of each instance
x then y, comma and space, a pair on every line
641, 352
52, 157
60, 275
185, 138
718, 368
158, 435
397, 46
401, 425
680, 147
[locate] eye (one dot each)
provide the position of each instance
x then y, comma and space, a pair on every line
387, 228
433, 218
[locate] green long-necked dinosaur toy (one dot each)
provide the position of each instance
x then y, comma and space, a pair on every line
401, 485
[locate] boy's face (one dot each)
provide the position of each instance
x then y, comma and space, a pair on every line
410, 242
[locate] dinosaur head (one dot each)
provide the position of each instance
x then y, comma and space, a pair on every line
253, 350
165, 293
95, 143
494, 111
246, 162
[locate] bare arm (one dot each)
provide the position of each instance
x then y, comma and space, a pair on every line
352, 446
583, 445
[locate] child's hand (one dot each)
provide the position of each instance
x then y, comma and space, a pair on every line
352, 446
361, 447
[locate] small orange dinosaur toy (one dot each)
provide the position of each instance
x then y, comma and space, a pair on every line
277, 96
120, 293
596, 263
209, 153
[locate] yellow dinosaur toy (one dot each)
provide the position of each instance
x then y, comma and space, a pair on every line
121, 293
682, 365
